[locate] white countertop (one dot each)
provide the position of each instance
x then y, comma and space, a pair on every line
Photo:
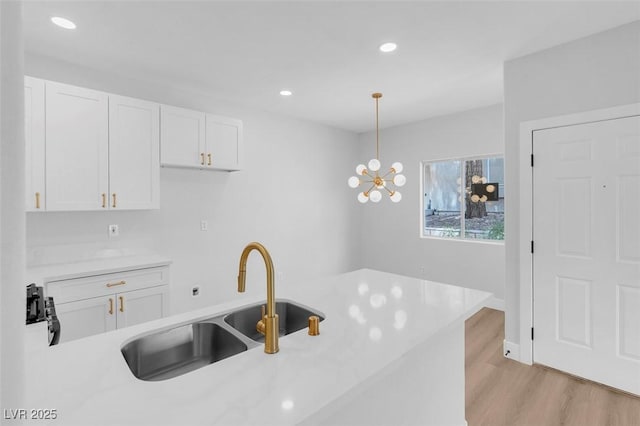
372, 319
99, 266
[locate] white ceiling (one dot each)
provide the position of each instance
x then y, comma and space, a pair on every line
449, 58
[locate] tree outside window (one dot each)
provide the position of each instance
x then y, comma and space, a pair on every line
464, 198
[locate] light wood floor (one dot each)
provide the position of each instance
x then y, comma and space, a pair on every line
500, 391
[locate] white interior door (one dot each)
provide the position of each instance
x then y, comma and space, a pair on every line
586, 269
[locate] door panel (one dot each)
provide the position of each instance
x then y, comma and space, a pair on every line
86, 317
135, 307
134, 150
628, 229
586, 265
224, 142
574, 311
573, 227
182, 137
77, 147
34, 143
629, 322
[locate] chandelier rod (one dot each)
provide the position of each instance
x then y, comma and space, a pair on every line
377, 96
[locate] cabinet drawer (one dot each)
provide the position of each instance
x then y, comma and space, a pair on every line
70, 290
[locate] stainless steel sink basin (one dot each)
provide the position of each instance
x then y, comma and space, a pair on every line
293, 317
177, 351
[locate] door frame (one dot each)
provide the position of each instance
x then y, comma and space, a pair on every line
525, 232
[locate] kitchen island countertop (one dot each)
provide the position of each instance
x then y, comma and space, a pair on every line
372, 320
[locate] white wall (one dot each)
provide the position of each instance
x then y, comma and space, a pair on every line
12, 222
391, 232
291, 196
599, 71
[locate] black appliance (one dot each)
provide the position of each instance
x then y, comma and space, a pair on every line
40, 308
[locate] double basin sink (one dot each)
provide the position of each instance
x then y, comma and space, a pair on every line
179, 350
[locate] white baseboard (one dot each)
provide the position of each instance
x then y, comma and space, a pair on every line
511, 350
495, 303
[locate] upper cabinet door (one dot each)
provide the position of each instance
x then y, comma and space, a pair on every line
224, 143
134, 153
182, 139
77, 149
35, 143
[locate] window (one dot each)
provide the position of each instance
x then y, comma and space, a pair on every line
464, 198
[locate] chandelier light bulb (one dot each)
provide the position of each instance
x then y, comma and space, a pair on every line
375, 196
396, 197
354, 182
475, 179
484, 198
475, 198
397, 167
361, 169
362, 198
374, 165
399, 180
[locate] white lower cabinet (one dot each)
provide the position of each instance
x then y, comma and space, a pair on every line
96, 304
140, 306
85, 318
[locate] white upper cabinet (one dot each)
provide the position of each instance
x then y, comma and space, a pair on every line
224, 143
34, 140
182, 138
197, 140
77, 148
89, 150
134, 150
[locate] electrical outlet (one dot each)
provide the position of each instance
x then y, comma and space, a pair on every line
204, 225
114, 231
195, 291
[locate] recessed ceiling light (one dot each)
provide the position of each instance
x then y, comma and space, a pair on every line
388, 47
286, 92
63, 23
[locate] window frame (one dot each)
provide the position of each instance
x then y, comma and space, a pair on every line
463, 161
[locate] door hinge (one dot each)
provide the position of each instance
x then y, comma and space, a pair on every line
531, 246
531, 333
531, 160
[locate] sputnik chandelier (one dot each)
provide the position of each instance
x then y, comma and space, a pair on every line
371, 176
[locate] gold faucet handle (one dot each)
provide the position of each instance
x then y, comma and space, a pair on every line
314, 325
261, 325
